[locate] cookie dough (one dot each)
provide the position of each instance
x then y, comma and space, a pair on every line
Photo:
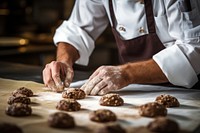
102, 115
10, 128
163, 125
111, 99
18, 109
152, 109
22, 91
19, 99
110, 128
168, 101
61, 120
68, 105
74, 93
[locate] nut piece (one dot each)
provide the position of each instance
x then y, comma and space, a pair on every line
168, 101
68, 105
102, 115
152, 109
74, 93
111, 99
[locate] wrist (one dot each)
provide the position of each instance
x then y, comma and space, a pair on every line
144, 72
66, 53
126, 68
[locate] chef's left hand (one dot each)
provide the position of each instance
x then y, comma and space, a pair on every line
106, 79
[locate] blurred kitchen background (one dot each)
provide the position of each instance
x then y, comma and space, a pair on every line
27, 28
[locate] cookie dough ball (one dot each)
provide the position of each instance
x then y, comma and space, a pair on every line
18, 109
68, 105
102, 115
9, 128
22, 91
152, 109
19, 99
163, 125
111, 99
168, 101
74, 93
111, 128
61, 120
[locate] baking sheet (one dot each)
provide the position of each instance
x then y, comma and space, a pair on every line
44, 102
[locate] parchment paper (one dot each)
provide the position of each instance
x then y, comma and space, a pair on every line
44, 102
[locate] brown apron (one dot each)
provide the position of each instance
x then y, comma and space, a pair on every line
140, 48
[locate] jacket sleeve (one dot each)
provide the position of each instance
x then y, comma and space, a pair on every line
87, 21
181, 61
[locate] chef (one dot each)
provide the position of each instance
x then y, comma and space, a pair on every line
158, 43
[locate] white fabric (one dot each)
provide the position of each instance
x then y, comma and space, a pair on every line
176, 29
174, 65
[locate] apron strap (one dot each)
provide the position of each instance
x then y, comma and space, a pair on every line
112, 14
149, 15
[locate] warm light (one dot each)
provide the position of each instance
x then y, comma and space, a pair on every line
23, 41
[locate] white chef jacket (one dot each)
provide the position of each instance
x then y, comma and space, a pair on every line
179, 31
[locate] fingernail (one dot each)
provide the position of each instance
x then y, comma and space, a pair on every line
67, 84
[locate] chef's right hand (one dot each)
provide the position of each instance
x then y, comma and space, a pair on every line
57, 75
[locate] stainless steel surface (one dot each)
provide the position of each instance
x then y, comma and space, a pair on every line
30, 73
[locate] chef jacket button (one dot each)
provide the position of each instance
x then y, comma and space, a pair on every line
121, 28
141, 30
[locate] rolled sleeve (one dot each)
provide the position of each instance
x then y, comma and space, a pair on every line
72, 34
176, 67
87, 21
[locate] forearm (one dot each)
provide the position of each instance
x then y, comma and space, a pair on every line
144, 72
66, 53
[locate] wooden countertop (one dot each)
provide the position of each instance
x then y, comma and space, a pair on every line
43, 104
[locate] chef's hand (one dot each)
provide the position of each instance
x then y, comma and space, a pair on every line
106, 79
57, 75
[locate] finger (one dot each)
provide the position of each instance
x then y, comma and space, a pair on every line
46, 75
98, 88
69, 76
47, 78
52, 86
104, 91
91, 77
56, 77
91, 84
88, 82
83, 86
96, 72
